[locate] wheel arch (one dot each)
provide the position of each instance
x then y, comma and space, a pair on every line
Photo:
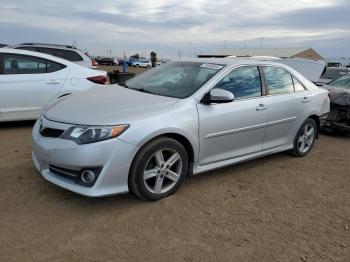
317, 120
182, 139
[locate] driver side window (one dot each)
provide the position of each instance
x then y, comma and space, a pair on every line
243, 82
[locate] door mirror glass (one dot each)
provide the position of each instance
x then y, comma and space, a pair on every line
218, 95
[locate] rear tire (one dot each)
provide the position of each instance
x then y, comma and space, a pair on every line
158, 169
305, 138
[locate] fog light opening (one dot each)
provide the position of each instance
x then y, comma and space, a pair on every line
87, 176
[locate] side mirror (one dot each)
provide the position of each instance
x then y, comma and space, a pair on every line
218, 95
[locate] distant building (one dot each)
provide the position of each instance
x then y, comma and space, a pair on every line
307, 53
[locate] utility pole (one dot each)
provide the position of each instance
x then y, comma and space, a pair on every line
261, 39
190, 51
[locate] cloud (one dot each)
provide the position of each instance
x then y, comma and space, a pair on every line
172, 26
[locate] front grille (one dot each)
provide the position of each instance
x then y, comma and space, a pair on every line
51, 132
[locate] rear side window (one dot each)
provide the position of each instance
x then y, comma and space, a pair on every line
278, 80
65, 54
243, 82
23, 64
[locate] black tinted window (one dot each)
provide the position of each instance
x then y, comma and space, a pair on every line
29, 48
65, 54
23, 64
278, 80
243, 82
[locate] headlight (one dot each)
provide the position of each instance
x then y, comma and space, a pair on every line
91, 134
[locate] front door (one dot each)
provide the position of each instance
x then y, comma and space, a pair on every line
234, 129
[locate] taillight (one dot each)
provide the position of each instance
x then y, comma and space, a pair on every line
102, 80
94, 63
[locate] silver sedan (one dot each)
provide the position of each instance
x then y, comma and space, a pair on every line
179, 119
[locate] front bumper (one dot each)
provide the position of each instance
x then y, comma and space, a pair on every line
113, 156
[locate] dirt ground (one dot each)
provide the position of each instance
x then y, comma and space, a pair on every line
277, 208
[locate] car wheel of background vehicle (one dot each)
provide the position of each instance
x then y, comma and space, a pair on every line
305, 138
158, 169
148, 66
137, 65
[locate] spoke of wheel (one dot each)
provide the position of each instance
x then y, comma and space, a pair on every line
150, 173
308, 141
310, 133
301, 139
172, 160
302, 146
159, 158
172, 175
158, 184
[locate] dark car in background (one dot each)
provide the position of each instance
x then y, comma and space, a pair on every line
106, 61
339, 116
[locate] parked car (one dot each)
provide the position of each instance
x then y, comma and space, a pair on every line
67, 52
142, 63
339, 117
2, 45
178, 119
107, 61
29, 80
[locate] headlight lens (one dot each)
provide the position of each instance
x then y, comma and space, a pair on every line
89, 134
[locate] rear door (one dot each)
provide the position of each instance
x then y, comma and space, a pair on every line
288, 106
234, 129
27, 84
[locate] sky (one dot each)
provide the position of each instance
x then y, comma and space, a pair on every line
182, 27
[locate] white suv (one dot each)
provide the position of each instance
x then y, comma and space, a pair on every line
67, 52
142, 63
30, 80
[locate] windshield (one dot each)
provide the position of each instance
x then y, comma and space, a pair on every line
343, 82
175, 79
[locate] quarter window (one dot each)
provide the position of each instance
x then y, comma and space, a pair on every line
278, 80
23, 64
297, 85
243, 82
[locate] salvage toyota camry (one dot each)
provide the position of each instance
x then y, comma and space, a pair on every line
180, 119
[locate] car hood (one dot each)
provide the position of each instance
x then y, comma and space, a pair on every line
107, 106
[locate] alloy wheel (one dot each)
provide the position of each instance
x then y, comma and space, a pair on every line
162, 171
306, 138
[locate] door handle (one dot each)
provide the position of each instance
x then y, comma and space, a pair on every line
261, 107
53, 82
305, 99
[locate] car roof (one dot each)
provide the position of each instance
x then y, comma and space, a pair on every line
56, 46
234, 61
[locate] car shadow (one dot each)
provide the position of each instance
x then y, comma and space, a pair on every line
17, 124
127, 199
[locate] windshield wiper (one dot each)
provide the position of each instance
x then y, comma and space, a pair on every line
137, 89
143, 90
123, 84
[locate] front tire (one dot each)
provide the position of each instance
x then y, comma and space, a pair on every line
158, 169
305, 138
